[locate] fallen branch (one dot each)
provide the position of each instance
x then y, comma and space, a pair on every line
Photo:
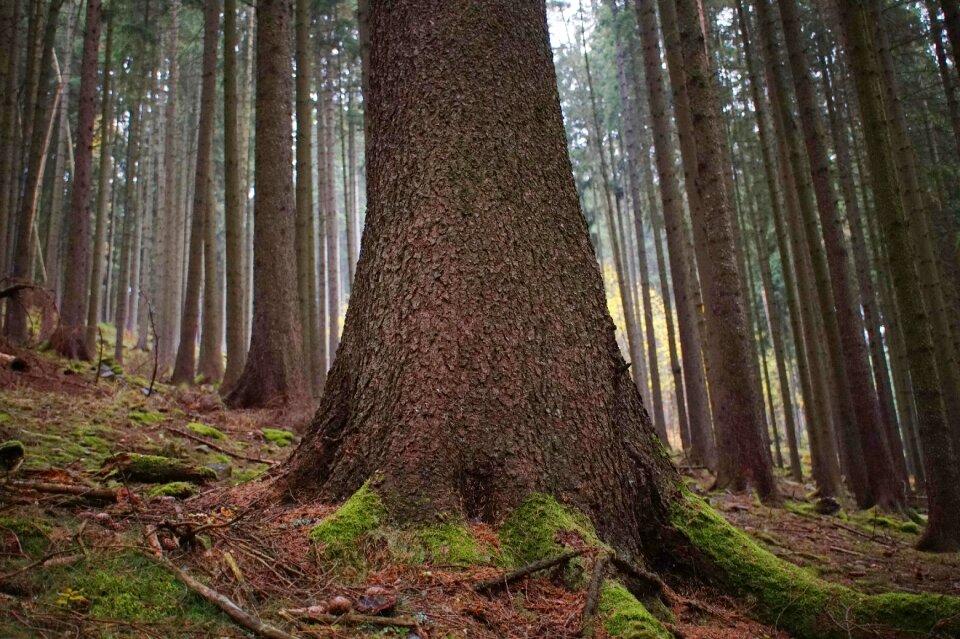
593, 597
43, 561
224, 603
102, 494
352, 618
520, 573
229, 453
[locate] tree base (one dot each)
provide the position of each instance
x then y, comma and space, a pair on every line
783, 595
71, 343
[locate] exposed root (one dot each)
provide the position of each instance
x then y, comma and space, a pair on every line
493, 584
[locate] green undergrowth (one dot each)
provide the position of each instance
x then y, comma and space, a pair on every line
144, 417
179, 489
792, 598
158, 469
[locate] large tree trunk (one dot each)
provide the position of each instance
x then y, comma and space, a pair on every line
10, 58
274, 372
70, 338
477, 306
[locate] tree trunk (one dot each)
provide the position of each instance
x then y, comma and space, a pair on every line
185, 365
331, 223
15, 326
744, 461
698, 410
210, 362
70, 338
103, 196
943, 484
306, 283
57, 214
125, 235
274, 372
11, 16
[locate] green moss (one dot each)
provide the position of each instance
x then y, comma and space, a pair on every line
154, 468
33, 533
359, 515
624, 616
530, 532
248, 474
277, 436
452, 544
910, 527
144, 418
179, 489
794, 598
205, 431
5, 417
131, 587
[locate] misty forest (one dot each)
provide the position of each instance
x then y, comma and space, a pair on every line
487, 319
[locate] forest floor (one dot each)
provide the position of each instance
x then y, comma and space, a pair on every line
85, 564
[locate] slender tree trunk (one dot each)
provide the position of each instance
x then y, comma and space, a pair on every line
15, 326
124, 236
10, 19
320, 329
70, 338
701, 435
353, 237
744, 461
332, 225
185, 364
274, 370
234, 198
946, 75
306, 284
169, 304
100, 247
943, 483
57, 214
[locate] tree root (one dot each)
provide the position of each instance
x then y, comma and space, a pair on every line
593, 597
499, 582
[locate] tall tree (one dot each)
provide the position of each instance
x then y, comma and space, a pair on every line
70, 338
274, 371
185, 365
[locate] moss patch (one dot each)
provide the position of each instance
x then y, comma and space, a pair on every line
793, 598
277, 436
452, 544
32, 533
179, 489
157, 469
359, 515
205, 431
530, 532
144, 418
624, 616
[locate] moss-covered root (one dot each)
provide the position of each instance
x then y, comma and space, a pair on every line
624, 616
154, 469
792, 598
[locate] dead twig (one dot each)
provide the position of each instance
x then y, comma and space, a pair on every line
101, 494
537, 566
229, 453
347, 618
593, 597
40, 562
156, 343
100, 357
224, 603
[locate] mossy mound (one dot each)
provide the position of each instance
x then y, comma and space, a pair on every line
364, 519
278, 436
624, 616
793, 598
530, 532
178, 489
12, 453
205, 431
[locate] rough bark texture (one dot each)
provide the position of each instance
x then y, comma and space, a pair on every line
184, 367
943, 485
274, 371
479, 362
70, 338
169, 302
10, 55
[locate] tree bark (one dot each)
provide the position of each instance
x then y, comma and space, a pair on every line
70, 338
11, 16
274, 372
185, 365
